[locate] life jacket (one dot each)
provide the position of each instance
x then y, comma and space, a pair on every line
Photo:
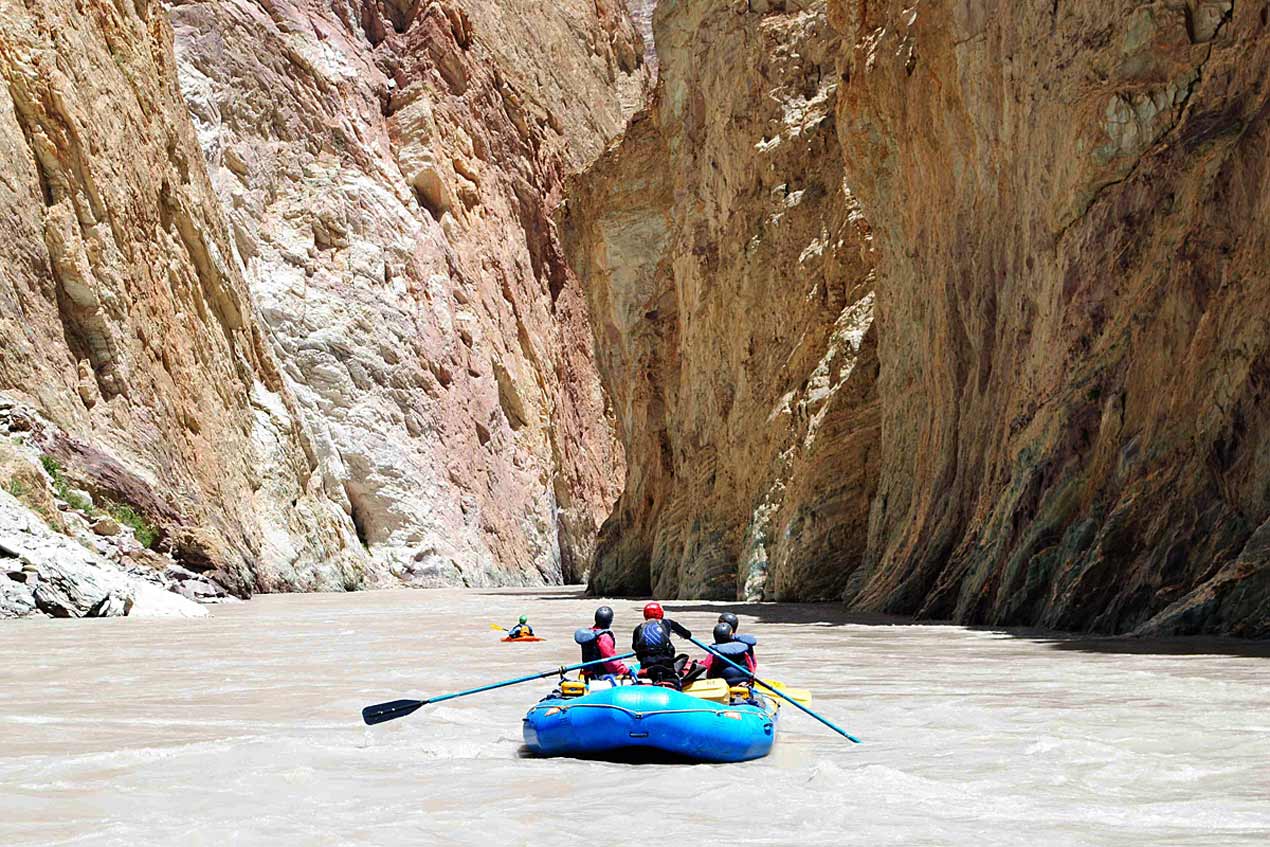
651, 642
589, 641
719, 669
749, 641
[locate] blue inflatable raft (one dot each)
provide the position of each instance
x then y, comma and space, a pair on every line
649, 718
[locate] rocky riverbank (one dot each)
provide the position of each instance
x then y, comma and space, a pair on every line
66, 552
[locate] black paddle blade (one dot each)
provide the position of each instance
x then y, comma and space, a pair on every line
381, 712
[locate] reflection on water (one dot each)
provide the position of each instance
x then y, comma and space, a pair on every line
244, 729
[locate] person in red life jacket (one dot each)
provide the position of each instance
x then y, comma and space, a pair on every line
736, 651
598, 642
746, 639
654, 649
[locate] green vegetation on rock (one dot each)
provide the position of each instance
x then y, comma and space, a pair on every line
146, 533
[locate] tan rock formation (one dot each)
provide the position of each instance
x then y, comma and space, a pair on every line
387, 169
123, 317
1070, 204
730, 283
1071, 330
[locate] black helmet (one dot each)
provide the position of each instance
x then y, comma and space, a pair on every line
604, 617
730, 619
722, 633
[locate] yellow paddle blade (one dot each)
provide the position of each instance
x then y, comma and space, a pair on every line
709, 689
497, 627
800, 695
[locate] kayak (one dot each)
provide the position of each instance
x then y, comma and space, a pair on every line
525, 639
650, 718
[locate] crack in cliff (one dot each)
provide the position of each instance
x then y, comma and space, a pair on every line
1159, 143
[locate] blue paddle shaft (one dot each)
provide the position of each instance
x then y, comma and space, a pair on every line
529, 678
777, 692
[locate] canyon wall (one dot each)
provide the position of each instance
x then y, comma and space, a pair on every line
387, 169
1047, 406
730, 283
1069, 201
320, 336
123, 316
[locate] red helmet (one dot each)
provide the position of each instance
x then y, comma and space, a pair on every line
652, 610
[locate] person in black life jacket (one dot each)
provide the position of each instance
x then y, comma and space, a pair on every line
735, 651
522, 629
654, 649
748, 640
598, 642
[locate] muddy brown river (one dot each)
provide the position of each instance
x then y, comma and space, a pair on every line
244, 729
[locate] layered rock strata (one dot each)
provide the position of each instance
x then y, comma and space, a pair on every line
730, 282
1069, 201
123, 317
387, 168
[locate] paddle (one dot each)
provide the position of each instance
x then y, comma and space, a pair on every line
381, 712
499, 628
802, 695
777, 691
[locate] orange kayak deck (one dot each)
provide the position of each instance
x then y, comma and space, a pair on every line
525, 638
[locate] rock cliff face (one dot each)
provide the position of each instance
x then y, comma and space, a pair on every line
322, 334
1069, 423
730, 282
1069, 201
387, 168
123, 317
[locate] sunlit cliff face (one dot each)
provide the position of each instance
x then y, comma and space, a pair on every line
322, 333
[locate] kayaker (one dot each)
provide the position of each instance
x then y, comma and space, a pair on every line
598, 642
522, 629
726, 644
654, 649
746, 639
